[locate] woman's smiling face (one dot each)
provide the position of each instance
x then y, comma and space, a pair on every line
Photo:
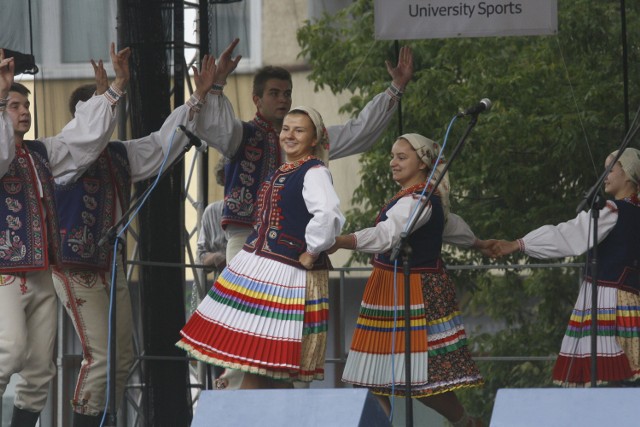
406, 168
298, 136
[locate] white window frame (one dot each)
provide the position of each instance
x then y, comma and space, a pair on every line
50, 63
50, 33
255, 39
254, 61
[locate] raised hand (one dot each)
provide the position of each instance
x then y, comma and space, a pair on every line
120, 63
226, 64
7, 67
206, 77
102, 81
402, 73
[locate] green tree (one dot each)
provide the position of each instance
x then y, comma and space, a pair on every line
557, 112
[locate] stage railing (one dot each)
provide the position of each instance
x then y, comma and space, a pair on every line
342, 313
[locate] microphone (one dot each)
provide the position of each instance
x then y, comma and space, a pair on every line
483, 105
194, 141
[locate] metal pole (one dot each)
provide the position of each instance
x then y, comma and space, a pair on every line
625, 65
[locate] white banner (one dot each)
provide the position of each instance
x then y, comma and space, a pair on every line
430, 19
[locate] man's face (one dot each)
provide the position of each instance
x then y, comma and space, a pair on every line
18, 109
275, 102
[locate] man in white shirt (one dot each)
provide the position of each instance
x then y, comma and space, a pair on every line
29, 242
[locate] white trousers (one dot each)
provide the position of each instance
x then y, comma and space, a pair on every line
236, 237
85, 296
27, 335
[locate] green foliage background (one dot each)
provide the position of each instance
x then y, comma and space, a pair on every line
558, 110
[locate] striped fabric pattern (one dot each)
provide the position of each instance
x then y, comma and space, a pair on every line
372, 355
618, 339
440, 359
256, 318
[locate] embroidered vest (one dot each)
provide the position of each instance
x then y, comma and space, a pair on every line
28, 239
87, 208
256, 159
619, 253
425, 242
282, 217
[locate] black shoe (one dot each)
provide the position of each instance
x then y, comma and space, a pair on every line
82, 420
24, 418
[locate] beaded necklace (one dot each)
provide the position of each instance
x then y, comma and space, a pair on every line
295, 164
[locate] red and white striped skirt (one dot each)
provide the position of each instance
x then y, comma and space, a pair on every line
262, 317
618, 339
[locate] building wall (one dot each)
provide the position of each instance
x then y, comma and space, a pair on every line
280, 22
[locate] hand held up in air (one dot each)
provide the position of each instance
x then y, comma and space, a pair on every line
402, 73
7, 66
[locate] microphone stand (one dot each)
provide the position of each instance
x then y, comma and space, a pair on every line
595, 200
111, 237
403, 250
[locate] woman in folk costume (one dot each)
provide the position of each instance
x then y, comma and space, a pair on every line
267, 312
618, 278
441, 361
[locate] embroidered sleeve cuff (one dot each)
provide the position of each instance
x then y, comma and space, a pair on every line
113, 94
394, 92
313, 255
354, 241
521, 245
217, 88
195, 103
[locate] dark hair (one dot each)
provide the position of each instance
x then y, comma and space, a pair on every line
219, 170
266, 73
82, 93
20, 88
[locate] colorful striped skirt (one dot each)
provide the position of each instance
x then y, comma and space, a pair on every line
262, 317
618, 339
440, 359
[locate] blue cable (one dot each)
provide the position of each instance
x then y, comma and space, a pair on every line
112, 291
395, 272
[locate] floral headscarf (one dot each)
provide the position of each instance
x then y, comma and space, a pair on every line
321, 150
630, 162
428, 151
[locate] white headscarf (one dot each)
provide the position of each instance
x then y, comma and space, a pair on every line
428, 151
630, 162
321, 150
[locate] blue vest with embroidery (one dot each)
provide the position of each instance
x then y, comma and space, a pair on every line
28, 239
279, 230
619, 252
256, 159
425, 242
87, 208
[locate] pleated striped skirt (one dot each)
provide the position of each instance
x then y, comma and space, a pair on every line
262, 317
440, 359
618, 339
